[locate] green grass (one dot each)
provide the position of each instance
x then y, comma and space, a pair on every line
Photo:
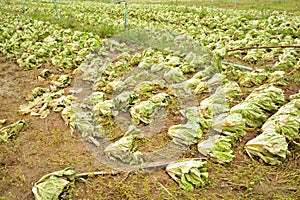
288, 5
103, 30
292, 6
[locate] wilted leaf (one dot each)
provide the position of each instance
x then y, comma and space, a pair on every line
124, 150
143, 112
230, 124
251, 112
271, 147
52, 185
217, 147
185, 134
62, 81
11, 130
188, 173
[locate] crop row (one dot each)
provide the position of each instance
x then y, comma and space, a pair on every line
35, 43
219, 31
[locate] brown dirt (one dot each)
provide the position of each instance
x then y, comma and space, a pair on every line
46, 145
290, 89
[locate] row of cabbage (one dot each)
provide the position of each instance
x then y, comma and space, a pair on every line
278, 131
35, 43
249, 114
171, 68
115, 80
112, 93
220, 31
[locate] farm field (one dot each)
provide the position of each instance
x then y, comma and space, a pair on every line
283, 5
217, 88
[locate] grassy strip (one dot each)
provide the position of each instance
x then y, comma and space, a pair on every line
103, 30
281, 5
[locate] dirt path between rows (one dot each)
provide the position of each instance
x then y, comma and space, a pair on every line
44, 146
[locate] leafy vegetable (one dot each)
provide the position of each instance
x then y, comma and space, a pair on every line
174, 75
181, 90
38, 91
123, 150
255, 78
217, 147
252, 114
174, 61
41, 42
125, 100
218, 102
194, 115
95, 98
41, 105
232, 125
214, 105
145, 88
52, 185
143, 112
83, 122
62, 81
160, 68
45, 74
188, 173
105, 108
285, 121
201, 88
231, 90
252, 109
185, 134
10, 131
161, 99
267, 98
114, 86
271, 147
285, 125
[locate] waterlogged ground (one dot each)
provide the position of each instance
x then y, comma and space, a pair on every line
46, 145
